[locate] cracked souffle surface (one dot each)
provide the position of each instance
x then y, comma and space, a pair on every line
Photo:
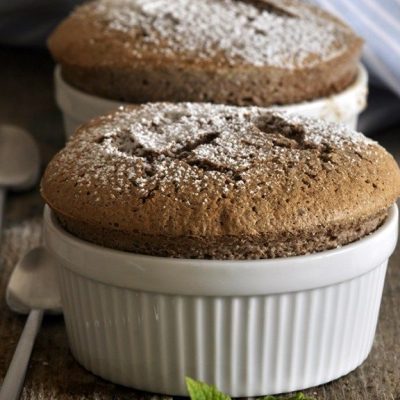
209, 181
243, 52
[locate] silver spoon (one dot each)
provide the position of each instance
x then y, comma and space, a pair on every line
19, 170
31, 289
19, 162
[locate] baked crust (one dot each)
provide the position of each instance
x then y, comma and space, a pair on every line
210, 181
221, 51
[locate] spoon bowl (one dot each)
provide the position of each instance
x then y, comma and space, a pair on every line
19, 158
33, 284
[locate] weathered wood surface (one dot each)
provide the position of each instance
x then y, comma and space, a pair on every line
26, 98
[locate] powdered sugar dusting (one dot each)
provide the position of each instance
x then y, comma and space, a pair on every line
162, 146
261, 33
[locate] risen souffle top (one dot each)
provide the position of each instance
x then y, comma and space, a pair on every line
208, 181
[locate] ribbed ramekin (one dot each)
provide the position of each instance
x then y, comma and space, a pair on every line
250, 327
79, 107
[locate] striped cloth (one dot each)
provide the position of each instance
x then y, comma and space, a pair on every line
378, 22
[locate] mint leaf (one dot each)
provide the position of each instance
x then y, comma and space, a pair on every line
201, 391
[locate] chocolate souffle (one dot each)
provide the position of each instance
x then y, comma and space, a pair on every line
241, 52
211, 181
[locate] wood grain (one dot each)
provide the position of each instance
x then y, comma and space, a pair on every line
26, 99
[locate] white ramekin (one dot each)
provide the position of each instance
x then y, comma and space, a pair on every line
250, 327
79, 107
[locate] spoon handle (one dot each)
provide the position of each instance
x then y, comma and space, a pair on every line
14, 380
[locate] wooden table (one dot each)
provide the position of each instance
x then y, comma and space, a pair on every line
26, 99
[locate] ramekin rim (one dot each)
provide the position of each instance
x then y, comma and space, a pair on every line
221, 277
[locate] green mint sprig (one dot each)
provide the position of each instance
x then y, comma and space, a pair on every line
201, 391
